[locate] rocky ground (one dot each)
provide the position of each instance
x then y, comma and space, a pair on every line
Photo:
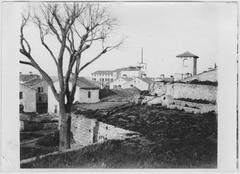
169, 139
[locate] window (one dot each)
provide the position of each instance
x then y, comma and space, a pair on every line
40, 89
89, 94
40, 99
20, 95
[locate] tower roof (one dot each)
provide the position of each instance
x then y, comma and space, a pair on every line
187, 54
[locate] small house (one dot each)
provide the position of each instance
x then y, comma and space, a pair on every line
86, 92
141, 83
120, 83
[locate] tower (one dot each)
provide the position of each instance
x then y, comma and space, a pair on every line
189, 62
142, 65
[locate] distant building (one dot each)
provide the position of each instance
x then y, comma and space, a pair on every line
28, 83
41, 87
86, 92
141, 83
27, 77
27, 97
105, 77
120, 83
162, 78
188, 66
137, 82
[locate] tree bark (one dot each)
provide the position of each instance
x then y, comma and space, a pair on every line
65, 128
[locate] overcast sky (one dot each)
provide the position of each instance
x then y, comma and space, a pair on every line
162, 29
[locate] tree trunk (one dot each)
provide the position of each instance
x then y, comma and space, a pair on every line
65, 129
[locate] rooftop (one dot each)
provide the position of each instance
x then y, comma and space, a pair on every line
33, 82
28, 77
147, 80
83, 83
130, 68
187, 54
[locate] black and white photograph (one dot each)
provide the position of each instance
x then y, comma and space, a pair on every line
120, 85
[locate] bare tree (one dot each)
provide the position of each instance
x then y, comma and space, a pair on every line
76, 27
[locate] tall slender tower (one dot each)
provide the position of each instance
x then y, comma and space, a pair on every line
142, 65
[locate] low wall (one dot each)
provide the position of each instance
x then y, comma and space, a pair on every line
192, 91
204, 76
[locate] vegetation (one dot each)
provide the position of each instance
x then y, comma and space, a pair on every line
169, 139
197, 82
196, 101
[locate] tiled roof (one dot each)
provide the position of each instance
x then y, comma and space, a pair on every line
28, 77
83, 83
187, 54
33, 82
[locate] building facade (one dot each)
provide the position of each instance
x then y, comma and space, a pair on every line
27, 98
86, 92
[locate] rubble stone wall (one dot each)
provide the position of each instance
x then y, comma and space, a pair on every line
192, 91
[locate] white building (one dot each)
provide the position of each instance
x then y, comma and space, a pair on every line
105, 77
188, 66
27, 97
120, 83
141, 83
86, 92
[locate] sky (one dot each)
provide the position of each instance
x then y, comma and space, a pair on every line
162, 29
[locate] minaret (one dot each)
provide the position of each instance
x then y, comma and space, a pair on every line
142, 65
142, 55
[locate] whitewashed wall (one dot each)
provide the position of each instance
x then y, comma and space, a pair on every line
52, 102
138, 83
29, 99
205, 76
83, 96
129, 73
116, 83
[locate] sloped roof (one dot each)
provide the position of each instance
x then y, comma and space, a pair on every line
83, 83
103, 72
28, 77
147, 80
33, 82
187, 54
128, 79
130, 68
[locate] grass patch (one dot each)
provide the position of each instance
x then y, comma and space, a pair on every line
200, 101
132, 153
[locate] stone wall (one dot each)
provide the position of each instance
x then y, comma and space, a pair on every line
194, 98
204, 76
87, 131
192, 91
